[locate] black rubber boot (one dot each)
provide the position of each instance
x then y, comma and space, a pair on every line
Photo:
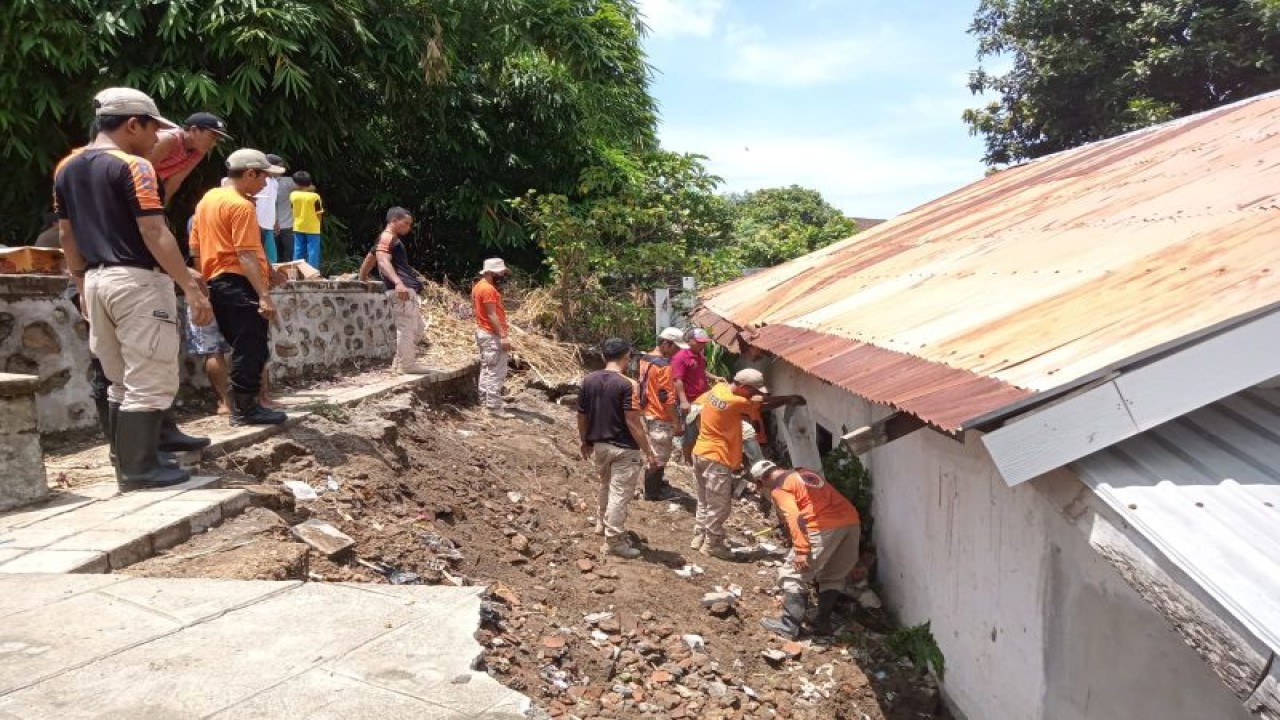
104, 420
788, 624
172, 439
166, 459
137, 434
245, 410
655, 485
827, 600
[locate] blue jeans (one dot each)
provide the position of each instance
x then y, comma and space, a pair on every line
269, 244
306, 246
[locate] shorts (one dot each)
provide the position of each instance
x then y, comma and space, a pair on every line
203, 339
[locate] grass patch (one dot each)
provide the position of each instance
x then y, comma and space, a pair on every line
917, 643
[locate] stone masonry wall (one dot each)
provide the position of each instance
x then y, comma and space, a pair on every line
324, 326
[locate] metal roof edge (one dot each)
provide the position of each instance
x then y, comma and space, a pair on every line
1045, 397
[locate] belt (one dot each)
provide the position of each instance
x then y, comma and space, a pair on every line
100, 266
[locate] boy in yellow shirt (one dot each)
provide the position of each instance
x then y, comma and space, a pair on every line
307, 211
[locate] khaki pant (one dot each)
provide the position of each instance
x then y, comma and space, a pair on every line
133, 331
713, 487
661, 434
407, 315
493, 369
832, 556
620, 469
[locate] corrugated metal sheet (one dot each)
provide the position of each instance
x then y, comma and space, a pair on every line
1205, 489
1039, 275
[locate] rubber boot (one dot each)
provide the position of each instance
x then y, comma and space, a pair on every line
794, 606
655, 485
245, 410
827, 600
104, 420
166, 459
137, 434
172, 439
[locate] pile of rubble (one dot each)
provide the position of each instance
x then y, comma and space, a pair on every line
401, 493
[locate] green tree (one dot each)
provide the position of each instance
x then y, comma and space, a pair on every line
774, 225
449, 107
1083, 70
634, 224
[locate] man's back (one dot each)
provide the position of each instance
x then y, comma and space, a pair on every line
225, 225
103, 192
720, 430
606, 398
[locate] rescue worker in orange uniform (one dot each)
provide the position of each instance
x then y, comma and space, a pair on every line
825, 530
658, 403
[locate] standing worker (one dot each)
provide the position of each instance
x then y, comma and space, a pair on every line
492, 334
402, 286
659, 405
285, 186
825, 531
234, 263
612, 432
690, 378
265, 205
718, 453
124, 262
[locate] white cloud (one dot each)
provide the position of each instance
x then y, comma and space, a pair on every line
669, 18
860, 173
806, 61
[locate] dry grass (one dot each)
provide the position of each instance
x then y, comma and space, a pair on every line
451, 329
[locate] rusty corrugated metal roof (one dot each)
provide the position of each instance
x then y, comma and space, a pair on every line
1038, 275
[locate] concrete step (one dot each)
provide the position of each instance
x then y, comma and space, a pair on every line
93, 528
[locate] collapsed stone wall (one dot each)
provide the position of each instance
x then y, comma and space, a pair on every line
323, 326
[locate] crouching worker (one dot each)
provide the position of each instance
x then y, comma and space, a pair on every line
825, 530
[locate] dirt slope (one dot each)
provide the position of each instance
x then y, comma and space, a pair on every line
446, 494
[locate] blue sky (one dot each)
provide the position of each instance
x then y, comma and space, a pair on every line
859, 99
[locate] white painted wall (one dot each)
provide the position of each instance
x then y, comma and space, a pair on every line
1034, 625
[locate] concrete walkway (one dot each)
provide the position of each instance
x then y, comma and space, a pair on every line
92, 528
110, 646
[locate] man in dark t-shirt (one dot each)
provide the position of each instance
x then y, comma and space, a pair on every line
402, 286
611, 428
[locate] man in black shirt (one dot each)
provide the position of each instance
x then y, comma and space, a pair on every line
611, 427
402, 286
124, 261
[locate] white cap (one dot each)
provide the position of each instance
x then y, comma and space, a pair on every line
752, 377
494, 265
250, 159
761, 468
675, 335
127, 101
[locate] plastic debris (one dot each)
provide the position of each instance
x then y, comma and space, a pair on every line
441, 546
596, 618
514, 496
302, 492
332, 485
403, 577
689, 571
695, 642
599, 636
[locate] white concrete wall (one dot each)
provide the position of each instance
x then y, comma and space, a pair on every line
1034, 625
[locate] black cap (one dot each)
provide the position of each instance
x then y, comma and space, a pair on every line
208, 121
275, 159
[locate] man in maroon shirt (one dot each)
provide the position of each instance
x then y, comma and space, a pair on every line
691, 379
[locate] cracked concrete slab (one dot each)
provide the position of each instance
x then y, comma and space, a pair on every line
117, 647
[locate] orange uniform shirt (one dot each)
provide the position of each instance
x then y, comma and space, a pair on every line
809, 503
485, 292
720, 433
659, 392
226, 223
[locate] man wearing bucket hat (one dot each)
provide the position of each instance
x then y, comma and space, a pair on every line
228, 250
124, 262
825, 530
180, 150
659, 406
718, 453
492, 334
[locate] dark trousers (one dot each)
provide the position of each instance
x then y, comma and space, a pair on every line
235, 307
284, 245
